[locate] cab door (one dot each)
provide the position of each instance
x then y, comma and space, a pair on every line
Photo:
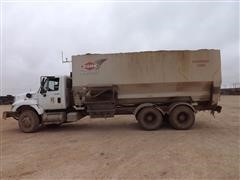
52, 97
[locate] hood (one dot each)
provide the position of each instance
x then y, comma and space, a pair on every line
23, 96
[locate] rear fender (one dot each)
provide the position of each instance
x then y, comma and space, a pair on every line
173, 106
138, 109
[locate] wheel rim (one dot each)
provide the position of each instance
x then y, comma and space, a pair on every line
150, 118
182, 118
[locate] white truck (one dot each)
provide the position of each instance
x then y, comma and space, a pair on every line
152, 85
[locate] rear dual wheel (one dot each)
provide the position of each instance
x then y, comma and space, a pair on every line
149, 118
182, 117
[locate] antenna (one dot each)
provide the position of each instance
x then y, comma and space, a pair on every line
66, 59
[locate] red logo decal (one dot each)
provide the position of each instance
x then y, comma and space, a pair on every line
89, 66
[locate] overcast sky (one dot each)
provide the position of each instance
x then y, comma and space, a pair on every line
34, 34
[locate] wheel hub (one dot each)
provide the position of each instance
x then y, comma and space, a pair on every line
26, 122
149, 118
182, 117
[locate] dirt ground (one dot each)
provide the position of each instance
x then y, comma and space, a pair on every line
117, 148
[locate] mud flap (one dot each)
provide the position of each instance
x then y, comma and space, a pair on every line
217, 108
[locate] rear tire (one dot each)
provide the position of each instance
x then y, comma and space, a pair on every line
182, 118
28, 121
150, 118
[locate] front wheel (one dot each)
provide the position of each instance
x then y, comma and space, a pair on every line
28, 121
182, 118
150, 118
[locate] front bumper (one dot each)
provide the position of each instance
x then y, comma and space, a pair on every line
7, 114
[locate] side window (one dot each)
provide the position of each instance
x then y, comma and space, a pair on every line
53, 84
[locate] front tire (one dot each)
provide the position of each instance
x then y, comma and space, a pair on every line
150, 118
28, 121
182, 118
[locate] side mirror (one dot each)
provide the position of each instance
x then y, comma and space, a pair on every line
42, 81
42, 90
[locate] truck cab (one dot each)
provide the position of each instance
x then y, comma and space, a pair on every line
45, 106
54, 92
